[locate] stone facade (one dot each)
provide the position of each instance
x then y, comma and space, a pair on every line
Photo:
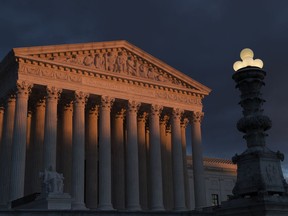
220, 177
107, 115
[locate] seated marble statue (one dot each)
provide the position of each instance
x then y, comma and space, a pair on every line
52, 182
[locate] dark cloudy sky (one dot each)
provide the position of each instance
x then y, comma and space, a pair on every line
201, 38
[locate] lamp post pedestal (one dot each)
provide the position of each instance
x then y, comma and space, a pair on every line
260, 188
259, 170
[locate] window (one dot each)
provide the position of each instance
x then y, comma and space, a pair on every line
215, 199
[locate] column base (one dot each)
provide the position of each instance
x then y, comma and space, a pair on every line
134, 208
78, 206
105, 207
198, 208
157, 208
180, 209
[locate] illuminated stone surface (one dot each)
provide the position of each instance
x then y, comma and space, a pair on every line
98, 78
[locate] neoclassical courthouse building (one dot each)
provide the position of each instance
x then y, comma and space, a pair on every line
113, 119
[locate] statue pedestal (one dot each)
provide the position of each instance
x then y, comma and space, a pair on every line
51, 201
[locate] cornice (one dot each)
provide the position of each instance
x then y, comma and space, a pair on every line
28, 61
86, 48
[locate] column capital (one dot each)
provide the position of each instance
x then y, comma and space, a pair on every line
120, 113
53, 93
164, 119
23, 88
80, 98
142, 117
156, 109
2, 108
2, 103
68, 105
11, 97
93, 109
38, 99
196, 117
34, 103
177, 113
133, 106
168, 128
184, 122
107, 102
40, 102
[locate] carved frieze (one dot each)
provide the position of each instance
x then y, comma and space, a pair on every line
111, 83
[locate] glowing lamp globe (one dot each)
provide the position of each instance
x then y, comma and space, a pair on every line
246, 56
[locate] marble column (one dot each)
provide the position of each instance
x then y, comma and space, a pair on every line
169, 173
147, 145
118, 158
132, 164
28, 163
37, 145
6, 149
2, 109
1, 122
50, 134
78, 150
66, 143
164, 154
184, 124
105, 201
19, 141
177, 164
92, 157
155, 160
197, 156
28, 132
143, 190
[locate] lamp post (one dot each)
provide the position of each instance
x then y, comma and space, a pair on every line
259, 171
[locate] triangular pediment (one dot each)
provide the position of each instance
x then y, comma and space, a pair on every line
118, 58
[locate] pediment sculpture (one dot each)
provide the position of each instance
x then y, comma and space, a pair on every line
117, 60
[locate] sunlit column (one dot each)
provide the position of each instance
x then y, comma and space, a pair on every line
19, 141
155, 159
92, 157
184, 123
28, 163
6, 148
28, 133
132, 169
66, 143
105, 202
37, 145
78, 150
198, 168
164, 153
50, 134
169, 173
118, 158
147, 145
177, 158
142, 160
